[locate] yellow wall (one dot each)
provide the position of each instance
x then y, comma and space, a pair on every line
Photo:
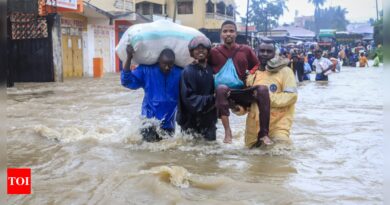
213, 24
196, 20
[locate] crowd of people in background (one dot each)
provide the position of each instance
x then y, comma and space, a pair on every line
302, 58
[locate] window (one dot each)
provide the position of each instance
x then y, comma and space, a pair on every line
185, 7
210, 7
146, 8
221, 8
157, 9
138, 8
230, 10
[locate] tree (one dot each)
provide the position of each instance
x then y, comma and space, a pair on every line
264, 14
317, 4
329, 18
378, 30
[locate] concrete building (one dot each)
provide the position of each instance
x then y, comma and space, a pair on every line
94, 33
364, 29
205, 15
286, 34
300, 21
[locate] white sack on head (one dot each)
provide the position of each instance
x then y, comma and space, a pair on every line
149, 39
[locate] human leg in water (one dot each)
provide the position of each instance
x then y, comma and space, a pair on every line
222, 105
258, 94
261, 95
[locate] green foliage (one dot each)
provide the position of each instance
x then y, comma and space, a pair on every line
329, 18
317, 3
264, 14
379, 52
378, 31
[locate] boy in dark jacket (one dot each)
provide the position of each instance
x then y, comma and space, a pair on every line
196, 109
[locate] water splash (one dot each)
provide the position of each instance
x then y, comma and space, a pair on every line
182, 178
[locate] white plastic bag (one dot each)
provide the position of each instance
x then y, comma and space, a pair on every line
149, 39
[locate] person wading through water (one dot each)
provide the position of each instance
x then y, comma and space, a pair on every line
274, 73
196, 112
160, 83
230, 62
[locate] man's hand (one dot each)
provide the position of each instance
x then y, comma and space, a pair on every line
130, 52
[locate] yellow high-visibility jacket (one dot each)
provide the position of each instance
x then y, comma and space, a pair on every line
283, 95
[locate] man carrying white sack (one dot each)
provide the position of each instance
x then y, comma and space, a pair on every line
160, 82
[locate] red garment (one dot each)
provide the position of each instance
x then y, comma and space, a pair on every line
245, 59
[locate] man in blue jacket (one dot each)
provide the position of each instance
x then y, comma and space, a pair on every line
161, 86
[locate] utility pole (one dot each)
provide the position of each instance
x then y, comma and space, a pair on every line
247, 20
377, 12
266, 23
174, 12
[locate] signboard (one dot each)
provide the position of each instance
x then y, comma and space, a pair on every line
68, 4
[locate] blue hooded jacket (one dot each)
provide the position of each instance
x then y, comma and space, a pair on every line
161, 91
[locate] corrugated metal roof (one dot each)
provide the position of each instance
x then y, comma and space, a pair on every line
296, 31
362, 28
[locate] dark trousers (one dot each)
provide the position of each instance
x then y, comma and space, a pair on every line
150, 133
209, 134
299, 70
245, 97
321, 77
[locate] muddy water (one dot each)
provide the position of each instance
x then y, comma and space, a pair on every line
80, 139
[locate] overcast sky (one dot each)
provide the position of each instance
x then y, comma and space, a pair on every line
358, 10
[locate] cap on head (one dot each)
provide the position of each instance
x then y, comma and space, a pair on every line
199, 40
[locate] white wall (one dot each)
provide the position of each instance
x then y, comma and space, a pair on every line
100, 43
86, 56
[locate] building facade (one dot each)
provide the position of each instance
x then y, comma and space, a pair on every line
204, 15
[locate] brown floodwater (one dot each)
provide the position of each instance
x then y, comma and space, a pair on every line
80, 138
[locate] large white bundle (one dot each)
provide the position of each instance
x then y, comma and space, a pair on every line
149, 39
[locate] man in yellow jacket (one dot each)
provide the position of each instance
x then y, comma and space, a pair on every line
274, 73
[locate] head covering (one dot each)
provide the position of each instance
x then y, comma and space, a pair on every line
277, 63
199, 40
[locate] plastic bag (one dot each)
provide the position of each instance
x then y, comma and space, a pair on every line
149, 39
307, 68
228, 76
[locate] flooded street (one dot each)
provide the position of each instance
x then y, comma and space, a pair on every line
80, 138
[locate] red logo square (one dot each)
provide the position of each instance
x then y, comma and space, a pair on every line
18, 181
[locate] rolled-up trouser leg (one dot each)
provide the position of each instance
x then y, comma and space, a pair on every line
264, 105
221, 100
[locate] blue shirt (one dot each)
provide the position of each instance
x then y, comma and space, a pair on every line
161, 91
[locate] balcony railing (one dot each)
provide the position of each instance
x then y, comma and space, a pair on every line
218, 16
